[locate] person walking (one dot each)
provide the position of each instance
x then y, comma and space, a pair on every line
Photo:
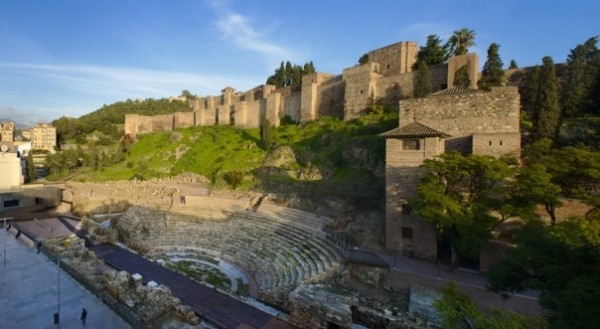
83, 316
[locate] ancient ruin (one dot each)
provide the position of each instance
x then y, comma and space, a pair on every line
385, 79
461, 119
253, 247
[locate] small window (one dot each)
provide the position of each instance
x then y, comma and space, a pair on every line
388, 66
500, 143
407, 233
411, 144
38, 200
490, 143
406, 209
11, 203
361, 92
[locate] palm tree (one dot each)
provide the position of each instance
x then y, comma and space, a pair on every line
460, 41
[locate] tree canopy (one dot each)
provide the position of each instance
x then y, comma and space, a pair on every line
460, 41
422, 85
561, 261
583, 69
457, 310
457, 195
461, 77
107, 118
546, 111
433, 53
492, 74
288, 74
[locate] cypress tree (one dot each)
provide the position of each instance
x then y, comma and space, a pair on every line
434, 53
577, 97
30, 168
461, 77
492, 74
266, 133
422, 81
547, 109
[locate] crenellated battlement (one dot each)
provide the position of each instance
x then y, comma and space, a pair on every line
385, 79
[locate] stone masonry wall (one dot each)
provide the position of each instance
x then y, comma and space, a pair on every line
385, 79
330, 101
402, 177
395, 59
466, 114
479, 122
360, 89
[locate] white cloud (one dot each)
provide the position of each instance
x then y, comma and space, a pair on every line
74, 90
117, 81
28, 117
242, 33
419, 31
237, 28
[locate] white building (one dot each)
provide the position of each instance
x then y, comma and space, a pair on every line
11, 173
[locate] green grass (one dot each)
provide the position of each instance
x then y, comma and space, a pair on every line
345, 152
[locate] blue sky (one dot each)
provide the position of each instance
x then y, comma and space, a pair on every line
69, 57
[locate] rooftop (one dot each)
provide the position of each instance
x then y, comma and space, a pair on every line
413, 130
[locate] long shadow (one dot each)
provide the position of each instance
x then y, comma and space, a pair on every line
80, 233
221, 309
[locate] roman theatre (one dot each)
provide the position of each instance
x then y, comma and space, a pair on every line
246, 243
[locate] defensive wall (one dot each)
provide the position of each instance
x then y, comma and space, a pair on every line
386, 78
460, 119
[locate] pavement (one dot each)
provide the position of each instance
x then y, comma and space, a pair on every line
29, 298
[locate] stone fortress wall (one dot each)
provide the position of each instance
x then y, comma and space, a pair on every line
475, 122
385, 79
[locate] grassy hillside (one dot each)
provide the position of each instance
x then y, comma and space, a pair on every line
328, 155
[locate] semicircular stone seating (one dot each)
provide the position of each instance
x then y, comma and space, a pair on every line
280, 247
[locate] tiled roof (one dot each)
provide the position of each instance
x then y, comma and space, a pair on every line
413, 130
454, 90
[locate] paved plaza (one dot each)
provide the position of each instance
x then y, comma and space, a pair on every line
28, 293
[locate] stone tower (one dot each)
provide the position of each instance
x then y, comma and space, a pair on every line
406, 148
459, 119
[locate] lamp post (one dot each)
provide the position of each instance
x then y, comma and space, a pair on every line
57, 315
5, 218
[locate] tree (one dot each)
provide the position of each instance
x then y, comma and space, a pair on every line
533, 186
513, 64
460, 42
266, 133
461, 77
288, 74
364, 59
433, 53
576, 171
577, 96
422, 81
546, 114
30, 168
561, 261
234, 178
458, 195
532, 90
457, 311
492, 74
187, 94
66, 129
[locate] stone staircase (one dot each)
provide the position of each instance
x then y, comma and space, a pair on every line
280, 247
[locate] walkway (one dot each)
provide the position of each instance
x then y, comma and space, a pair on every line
28, 298
405, 271
221, 309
